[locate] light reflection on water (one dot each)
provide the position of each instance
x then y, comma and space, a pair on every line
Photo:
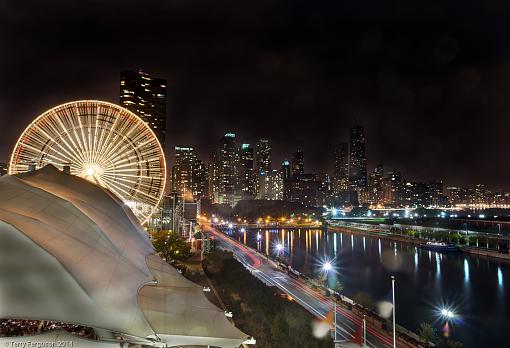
424, 278
466, 270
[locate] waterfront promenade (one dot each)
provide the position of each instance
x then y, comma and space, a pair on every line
348, 320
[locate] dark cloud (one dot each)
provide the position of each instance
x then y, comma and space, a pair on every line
429, 80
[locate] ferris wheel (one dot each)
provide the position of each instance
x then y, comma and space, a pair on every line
101, 142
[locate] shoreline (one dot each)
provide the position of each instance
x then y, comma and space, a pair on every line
490, 254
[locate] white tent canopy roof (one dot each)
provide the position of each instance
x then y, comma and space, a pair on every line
70, 251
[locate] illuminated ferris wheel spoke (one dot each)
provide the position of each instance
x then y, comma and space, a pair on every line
83, 138
74, 157
133, 188
133, 183
60, 160
126, 151
102, 143
67, 135
125, 138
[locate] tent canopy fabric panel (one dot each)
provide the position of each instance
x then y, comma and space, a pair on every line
71, 252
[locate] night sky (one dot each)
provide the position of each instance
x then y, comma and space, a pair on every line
430, 81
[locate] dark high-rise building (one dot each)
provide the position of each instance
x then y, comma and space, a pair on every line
456, 195
393, 190
415, 194
228, 170
271, 185
145, 96
246, 172
324, 196
436, 194
189, 174
298, 163
286, 169
340, 180
263, 152
182, 171
4, 169
481, 194
303, 189
213, 171
376, 186
199, 180
358, 160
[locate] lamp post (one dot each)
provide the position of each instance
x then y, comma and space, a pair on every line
335, 319
448, 316
326, 267
393, 293
364, 331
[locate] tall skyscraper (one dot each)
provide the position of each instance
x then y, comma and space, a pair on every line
189, 174
145, 96
199, 180
303, 189
263, 152
298, 163
286, 172
246, 172
271, 185
228, 170
415, 194
436, 194
393, 189
376, 186
340, 181
182, 171
358, 160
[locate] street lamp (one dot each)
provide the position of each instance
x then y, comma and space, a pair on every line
279, 248
447, 314
327, 266
393, 293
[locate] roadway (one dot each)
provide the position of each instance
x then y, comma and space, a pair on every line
316, 303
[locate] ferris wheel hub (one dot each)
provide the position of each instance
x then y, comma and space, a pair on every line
90, 171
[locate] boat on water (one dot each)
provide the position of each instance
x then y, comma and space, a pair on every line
440, 247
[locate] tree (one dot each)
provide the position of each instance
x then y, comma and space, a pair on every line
171, 246
427, 333
338, 287
364, 299
454, 344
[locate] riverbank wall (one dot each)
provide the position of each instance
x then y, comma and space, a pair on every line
493, 254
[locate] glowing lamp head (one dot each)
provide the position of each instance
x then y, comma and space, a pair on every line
327, 266
279, 247
90, 171
448, 314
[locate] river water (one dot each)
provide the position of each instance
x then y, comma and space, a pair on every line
476, 289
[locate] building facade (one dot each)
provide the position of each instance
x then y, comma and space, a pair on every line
247, 172
298, 163
228, 171
393, 190
358, 159
340, 180
376, 186
145, 96
302, 189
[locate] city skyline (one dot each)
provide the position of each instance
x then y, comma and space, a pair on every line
420, 91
